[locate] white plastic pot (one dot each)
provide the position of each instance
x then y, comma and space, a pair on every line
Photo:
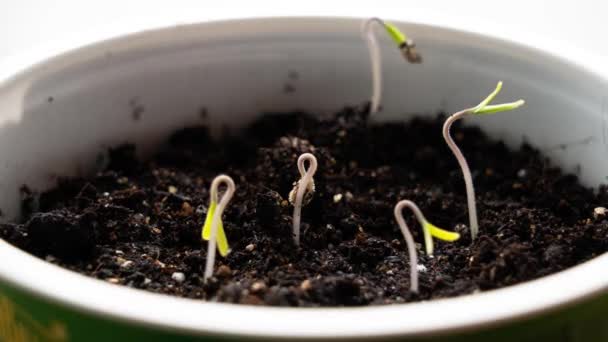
56, 116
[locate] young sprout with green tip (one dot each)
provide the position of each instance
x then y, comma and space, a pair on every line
429, 231
303, 191
213, 229
482, 108
406, 45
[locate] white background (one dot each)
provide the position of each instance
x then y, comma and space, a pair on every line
24, 24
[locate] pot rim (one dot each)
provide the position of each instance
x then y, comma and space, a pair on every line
431, 318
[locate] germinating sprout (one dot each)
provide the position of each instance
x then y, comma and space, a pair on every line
213, 229
406, 45
303, 191
429, 230
482, 108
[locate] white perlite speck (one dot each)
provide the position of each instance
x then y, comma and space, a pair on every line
178, 277
421, 268
337, 198
522, 173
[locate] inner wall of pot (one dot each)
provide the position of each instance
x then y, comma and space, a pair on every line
58, 118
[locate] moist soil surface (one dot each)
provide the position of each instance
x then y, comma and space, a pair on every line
138, 224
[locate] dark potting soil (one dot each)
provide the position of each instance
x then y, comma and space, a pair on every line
138, 224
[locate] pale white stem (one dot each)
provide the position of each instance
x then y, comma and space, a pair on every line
306, 178
367, 30
217, 215
466, 172
411, 247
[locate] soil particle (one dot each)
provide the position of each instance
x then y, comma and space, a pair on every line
66, 236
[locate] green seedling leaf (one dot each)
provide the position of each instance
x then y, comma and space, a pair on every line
398, 36
491, 109
484, 108
431, 231
441, 234
489, 99
206, 233
222, 241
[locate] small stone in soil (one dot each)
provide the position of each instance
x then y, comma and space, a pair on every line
223, 272
139, 218
349, 196
306, 285
186, 209
258, 286
113, 280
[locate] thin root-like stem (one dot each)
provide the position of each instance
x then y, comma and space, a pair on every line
407, 47
375, 60
217, 215
302, 186
466, 172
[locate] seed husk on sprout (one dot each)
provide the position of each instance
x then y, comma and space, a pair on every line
303, 191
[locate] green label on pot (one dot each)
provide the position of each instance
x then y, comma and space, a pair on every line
16, 325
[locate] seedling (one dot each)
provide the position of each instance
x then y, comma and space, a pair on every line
213, 229
429, 231
303, 191
482, 108
406, 45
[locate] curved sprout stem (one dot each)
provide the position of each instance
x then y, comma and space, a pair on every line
302, 186
466, 172
406, 46
429, 230
217, 216
409, 240
482, 108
